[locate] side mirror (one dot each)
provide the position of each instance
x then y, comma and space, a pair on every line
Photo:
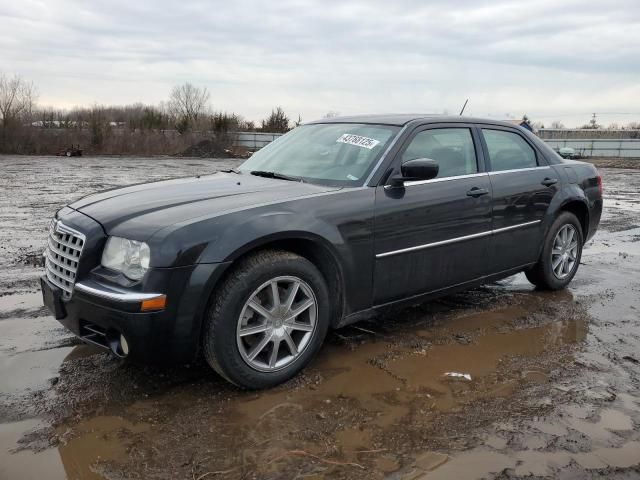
417, 169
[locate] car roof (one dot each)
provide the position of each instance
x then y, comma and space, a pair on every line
401, 119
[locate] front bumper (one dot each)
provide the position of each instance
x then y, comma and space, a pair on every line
98, 317
99, 313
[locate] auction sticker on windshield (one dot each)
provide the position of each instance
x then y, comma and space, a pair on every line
358, 141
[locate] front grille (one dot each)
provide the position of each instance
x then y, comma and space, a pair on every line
62, 256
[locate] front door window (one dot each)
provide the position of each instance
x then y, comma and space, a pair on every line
452, 148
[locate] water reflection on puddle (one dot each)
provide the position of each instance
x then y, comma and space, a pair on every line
363, 389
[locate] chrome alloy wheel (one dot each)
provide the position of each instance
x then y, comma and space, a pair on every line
564, 253
276, 323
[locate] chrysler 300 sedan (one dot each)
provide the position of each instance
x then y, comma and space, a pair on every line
330, 223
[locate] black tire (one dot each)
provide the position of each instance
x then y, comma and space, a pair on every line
542, 274
219, 337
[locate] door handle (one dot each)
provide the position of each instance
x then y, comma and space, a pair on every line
547, 182
477, 192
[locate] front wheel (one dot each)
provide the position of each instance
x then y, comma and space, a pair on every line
267, 321
561, 254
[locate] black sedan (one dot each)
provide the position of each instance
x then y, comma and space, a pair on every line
328, 224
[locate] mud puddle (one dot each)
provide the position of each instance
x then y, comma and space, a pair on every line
552, 390
366, 402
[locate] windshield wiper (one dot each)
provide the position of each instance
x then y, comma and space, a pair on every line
280, 176
231, 170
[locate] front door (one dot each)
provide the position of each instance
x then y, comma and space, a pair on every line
434, 233
523, 187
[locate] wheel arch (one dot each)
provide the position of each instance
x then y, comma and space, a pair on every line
571, 199
580, 209
312, 247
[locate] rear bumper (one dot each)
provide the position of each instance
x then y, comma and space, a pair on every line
100, 313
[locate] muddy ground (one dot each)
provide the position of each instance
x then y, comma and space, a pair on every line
554, 389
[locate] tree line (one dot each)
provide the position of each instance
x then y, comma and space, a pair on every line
170, 127
167, 128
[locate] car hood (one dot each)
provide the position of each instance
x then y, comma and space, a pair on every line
140, 210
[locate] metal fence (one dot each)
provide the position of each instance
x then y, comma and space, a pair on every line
594, 147
254, 140
600, 147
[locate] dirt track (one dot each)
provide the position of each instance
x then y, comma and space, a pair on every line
554, 390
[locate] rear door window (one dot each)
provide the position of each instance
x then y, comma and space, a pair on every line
452, 148
508, 150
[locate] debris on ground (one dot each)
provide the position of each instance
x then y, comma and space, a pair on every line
464, 376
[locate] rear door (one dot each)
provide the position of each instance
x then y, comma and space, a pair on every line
523, 186
433, 233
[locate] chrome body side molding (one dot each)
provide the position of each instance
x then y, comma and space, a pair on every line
456, 239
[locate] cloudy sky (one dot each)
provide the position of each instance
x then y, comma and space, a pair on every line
550, 59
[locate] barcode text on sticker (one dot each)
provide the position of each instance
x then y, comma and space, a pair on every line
358, 141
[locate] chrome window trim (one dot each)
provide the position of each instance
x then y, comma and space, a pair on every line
500, 172
456, 239
443, 179
97, 289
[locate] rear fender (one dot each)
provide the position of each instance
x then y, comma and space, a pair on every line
567, 194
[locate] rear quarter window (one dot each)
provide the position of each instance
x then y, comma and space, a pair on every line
508, 150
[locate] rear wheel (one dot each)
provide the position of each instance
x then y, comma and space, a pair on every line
561, 254
267, 320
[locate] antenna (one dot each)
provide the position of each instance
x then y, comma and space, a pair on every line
464, 106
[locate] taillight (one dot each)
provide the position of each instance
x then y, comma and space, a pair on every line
599, 180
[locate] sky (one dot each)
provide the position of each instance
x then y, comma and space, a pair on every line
549, 59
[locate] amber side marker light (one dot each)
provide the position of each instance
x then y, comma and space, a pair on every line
157, 303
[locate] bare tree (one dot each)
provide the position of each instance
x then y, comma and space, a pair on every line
557, 124
98, 125
17, 98
277, 122
187, 104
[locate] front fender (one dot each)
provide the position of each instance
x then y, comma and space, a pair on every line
252, 232
340, 222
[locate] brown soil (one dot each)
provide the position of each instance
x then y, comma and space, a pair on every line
554, 389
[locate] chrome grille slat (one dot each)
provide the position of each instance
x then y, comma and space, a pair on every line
57, 262
57, 283
61, 253
62, 273
69, 245
62, 256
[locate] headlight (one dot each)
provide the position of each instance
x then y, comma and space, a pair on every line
127, 256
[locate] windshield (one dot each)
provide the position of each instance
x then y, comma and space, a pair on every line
341, 154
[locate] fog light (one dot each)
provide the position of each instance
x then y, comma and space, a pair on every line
124, 346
